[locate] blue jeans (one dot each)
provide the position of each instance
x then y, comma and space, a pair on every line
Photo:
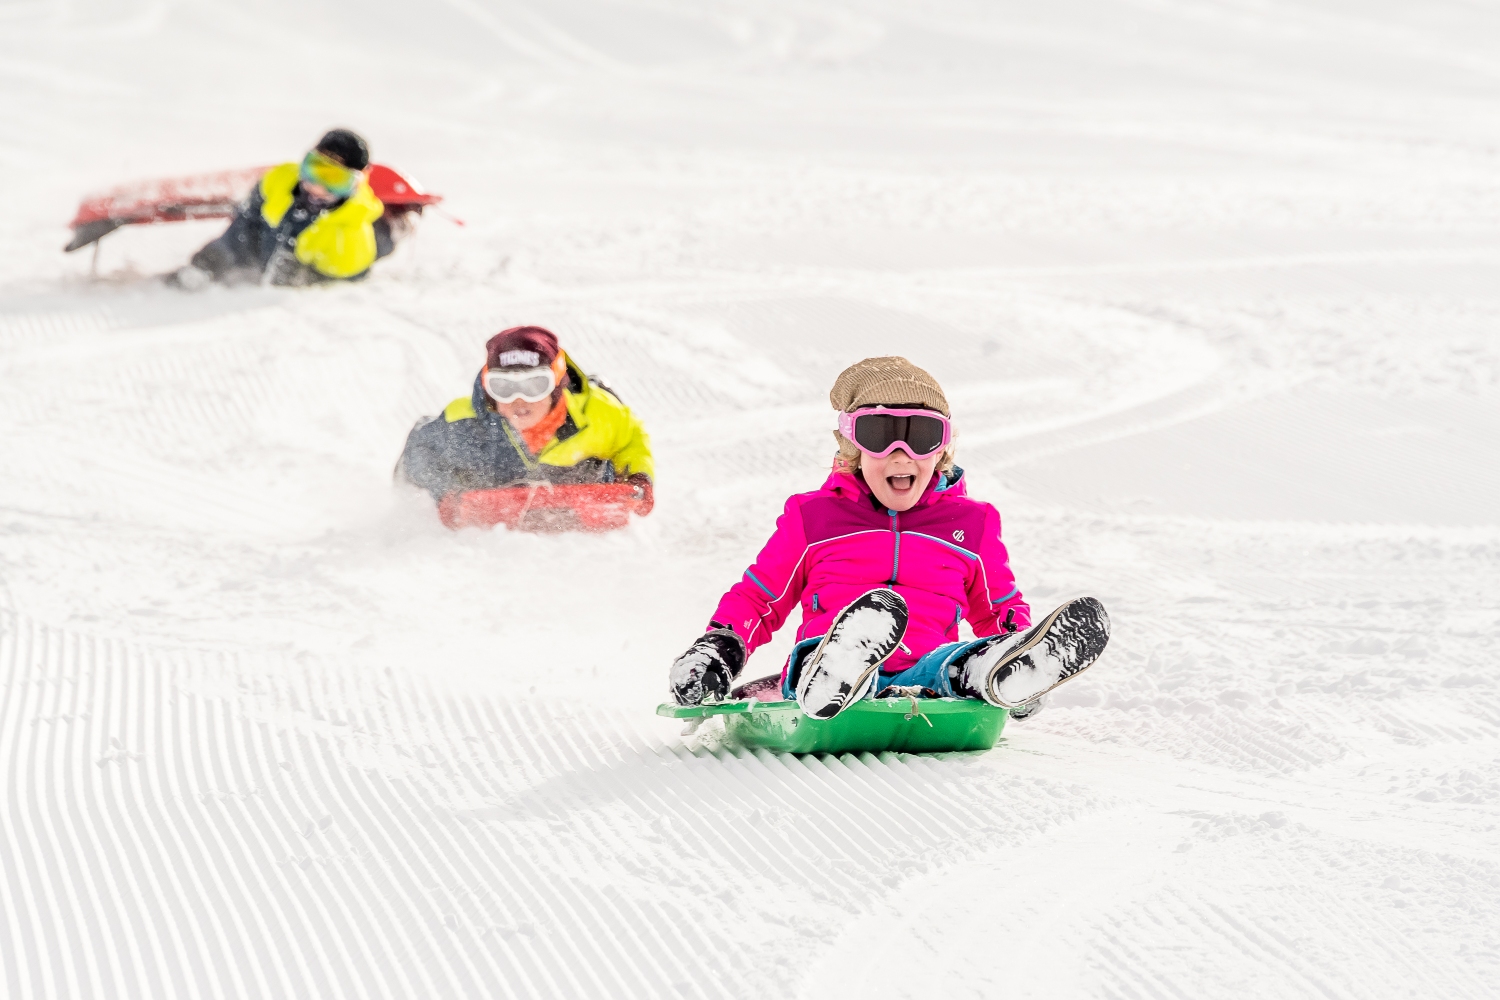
931, 671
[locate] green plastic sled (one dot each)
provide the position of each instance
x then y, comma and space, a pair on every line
926, 725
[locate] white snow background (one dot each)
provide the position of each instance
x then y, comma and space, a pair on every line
1212, 285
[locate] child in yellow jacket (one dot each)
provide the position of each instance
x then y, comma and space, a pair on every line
533, 416
302, 223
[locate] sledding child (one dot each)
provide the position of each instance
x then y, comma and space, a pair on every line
884, 561
304, 223
532, 416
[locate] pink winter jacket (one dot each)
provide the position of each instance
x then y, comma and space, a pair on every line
833, 544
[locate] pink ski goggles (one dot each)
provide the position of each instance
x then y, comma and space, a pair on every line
880, 430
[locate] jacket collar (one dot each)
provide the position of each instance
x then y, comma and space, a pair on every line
281, 186
852, 486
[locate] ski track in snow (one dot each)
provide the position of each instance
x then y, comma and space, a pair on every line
1211, 289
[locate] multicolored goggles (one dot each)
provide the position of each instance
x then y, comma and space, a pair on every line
506, 385
329, 173
880, 430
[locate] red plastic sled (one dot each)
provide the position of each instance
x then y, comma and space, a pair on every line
209, 196
545, 508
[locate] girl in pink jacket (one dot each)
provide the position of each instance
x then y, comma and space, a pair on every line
884, 560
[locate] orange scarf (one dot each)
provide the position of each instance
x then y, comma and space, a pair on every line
538, 434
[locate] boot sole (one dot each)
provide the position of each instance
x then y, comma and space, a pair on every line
1064, 644
857, 690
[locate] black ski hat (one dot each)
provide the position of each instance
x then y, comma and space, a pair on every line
346, 147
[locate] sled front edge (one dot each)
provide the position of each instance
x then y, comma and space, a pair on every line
722, 708
940, 725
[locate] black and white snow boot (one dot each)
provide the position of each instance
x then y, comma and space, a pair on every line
708, 668
842, 669
1014, 671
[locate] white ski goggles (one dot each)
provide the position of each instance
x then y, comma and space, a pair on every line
506, 385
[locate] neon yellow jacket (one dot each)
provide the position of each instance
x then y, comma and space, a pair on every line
339, 243
471, 447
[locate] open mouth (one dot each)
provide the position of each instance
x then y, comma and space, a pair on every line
900, 484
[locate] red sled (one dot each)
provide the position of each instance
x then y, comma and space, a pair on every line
544, 507
210, 196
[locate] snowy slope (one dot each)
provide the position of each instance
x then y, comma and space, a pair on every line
1212, 286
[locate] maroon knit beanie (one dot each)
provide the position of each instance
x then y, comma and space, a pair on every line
521, 347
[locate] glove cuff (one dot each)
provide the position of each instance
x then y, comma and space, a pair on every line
729, 647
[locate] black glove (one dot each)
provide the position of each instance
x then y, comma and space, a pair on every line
645, 495
708, 668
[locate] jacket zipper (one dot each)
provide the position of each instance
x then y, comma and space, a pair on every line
896, 552
510, 435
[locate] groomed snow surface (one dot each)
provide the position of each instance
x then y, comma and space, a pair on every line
1212, 285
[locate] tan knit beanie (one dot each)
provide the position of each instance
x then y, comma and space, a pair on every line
886, 382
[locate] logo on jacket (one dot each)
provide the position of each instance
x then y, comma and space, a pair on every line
958, 535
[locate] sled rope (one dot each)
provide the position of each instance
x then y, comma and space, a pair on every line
917, 712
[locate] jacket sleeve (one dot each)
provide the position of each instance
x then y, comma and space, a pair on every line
632, 445
756, 606
429, 459
239, 247
341, 243
993, 593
